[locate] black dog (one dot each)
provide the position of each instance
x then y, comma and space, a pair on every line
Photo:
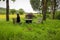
18, 18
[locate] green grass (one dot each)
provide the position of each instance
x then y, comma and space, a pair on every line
49, 30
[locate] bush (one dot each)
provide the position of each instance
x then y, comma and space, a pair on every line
13, 11
58, 15
21, 11
48, 16
2, 12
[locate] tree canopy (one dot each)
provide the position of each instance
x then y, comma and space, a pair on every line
35, 4
13, 11
21, 11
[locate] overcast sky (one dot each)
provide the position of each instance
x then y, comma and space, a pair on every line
24, 4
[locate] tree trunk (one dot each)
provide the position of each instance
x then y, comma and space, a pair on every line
7, 10
53, 8
44, 8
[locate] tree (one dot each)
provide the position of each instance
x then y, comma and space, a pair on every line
7, 9
13, 11
21, 11
35, 4
53, 8
44, 8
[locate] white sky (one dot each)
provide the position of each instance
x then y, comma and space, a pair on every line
24, 4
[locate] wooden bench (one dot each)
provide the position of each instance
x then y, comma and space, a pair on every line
28, 20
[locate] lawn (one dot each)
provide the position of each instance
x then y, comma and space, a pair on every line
49, 30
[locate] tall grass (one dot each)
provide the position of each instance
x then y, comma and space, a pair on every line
49, 30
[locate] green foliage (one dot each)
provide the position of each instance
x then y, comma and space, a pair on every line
35, 4
2, 10
50, 30
58, 15
48, 2
3, 0
13, 0
58, 35
13, 11
21, 11
48, 15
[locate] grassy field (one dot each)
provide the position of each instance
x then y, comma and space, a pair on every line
49, 30
11, 16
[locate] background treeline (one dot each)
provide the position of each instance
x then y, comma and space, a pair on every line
11, 11
2, 10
